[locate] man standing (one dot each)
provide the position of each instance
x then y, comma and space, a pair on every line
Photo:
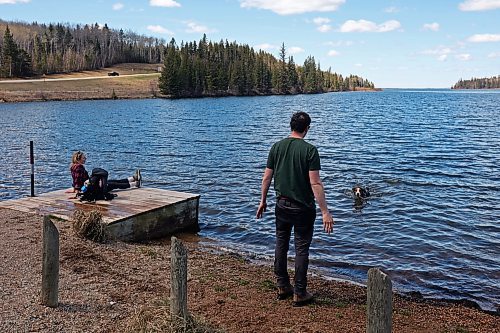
295, 165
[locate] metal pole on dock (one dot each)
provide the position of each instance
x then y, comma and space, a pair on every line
379, 302
32, 163
178, 281
50, 264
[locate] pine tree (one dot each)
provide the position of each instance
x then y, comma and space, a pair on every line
9, 56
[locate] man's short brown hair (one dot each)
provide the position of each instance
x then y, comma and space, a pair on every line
300, 121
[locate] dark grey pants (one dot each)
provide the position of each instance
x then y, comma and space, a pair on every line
118, 184
290, 215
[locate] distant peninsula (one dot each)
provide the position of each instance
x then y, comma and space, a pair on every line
482, 83
229, 69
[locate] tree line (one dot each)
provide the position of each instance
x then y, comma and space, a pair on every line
482, 83
36, 49
205, 68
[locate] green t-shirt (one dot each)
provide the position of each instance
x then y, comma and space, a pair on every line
291, 160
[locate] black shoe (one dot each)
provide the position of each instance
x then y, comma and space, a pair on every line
305, 299
285, 292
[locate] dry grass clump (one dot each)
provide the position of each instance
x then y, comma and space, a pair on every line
89, 225
157, 319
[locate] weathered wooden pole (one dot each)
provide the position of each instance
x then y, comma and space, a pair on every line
50, 264
178, 281
32, 164
379, 302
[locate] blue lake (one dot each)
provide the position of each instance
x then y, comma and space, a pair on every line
430, 157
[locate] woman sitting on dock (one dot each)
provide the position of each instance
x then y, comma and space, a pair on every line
80, 175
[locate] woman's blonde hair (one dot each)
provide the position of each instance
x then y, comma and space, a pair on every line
77, 157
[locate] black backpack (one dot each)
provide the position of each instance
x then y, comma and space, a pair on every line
97, 189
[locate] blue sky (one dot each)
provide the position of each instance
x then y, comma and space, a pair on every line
405, 44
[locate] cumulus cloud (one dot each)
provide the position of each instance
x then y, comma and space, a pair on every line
159, 30
13, 2
442, 57
440, 50
431, 26
463, 56
494, 55
340, 43
117, 6
481, 38
368, 26
195, 28
266, 46
294, 50
479, 5
324, 28
322, 24
333, 53
287, 7
321, 20
164, 3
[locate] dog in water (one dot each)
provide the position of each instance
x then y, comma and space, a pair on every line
360, 192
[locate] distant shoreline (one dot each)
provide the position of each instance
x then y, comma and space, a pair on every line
135, 81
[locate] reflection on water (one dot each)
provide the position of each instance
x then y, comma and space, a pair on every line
430, 158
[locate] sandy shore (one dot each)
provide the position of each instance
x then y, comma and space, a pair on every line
119, 287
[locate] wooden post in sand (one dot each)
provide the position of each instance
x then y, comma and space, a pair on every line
178, 281
50, 264
379, 302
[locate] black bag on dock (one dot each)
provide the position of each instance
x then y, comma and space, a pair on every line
97, 189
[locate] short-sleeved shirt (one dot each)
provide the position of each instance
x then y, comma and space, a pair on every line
291, 159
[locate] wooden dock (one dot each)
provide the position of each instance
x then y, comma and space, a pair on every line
134, 215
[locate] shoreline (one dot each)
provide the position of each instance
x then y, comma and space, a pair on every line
123, 287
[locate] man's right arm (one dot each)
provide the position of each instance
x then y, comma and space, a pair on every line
266, 183
319, 194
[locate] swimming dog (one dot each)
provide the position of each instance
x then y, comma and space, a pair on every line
360, 192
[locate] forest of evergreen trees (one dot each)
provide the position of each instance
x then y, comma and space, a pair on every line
219, 69
192, 69
483, 83
36, 49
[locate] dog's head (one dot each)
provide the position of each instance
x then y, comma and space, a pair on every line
359, 192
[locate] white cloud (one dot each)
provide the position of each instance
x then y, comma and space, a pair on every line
494, 55
159, 30
321, 20
118, 6
333, 53
164, 3
287, 7
479, 5
324, 28
431, 26
266, 46
340, 43
481, 38
294, 50
358, 65
13, 2
391, 10
440, 50
463, 56
443, 57
368, 26
195, 28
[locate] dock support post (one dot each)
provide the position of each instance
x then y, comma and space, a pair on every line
50, 264
379, 302
32, 164
178, 283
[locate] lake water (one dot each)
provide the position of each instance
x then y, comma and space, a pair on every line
430, 157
